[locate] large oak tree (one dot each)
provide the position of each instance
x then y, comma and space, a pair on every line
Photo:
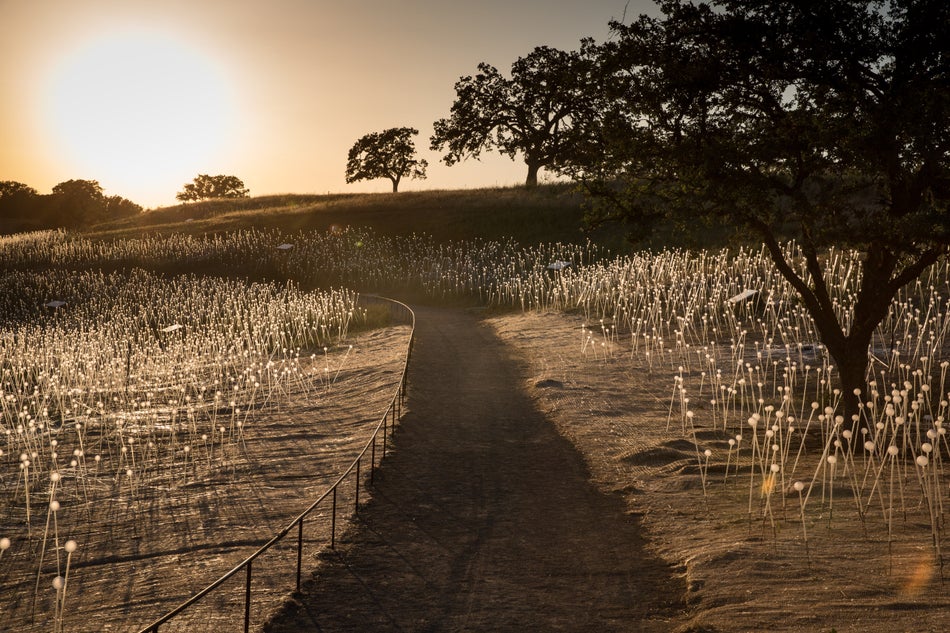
532, 113
825, 122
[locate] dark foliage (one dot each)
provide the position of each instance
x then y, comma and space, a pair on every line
205, 187
72, 204
387, 154
825, 122
533, 113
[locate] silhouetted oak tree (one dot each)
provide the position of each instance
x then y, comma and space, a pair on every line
18, 206
73, 203
205, 187
532, 113
10, 188
77, 203
80, 189
387, 154
826, 122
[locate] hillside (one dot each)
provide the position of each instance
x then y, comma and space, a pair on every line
549, 213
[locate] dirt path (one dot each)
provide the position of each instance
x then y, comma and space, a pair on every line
483, 517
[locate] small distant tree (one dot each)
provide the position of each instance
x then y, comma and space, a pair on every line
77, 203
79, 189
18, 203
118, 207
205, 187
533, 113
9, 188
387, 154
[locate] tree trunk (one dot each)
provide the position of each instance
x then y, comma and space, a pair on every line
395, 182
532, 179
851, 361
880, 283
848, 351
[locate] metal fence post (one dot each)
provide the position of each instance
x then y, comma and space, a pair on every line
372, 462
356, 505
333, 522
299, 551
247, 599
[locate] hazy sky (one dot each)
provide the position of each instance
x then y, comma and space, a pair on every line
143, 96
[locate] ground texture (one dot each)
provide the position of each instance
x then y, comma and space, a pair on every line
142, 554
538, 484
484, 517
744, 570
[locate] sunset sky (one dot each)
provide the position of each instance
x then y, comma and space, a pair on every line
143, 96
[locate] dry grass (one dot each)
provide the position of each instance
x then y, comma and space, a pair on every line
549, 213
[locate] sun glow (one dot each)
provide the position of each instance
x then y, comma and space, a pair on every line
141, 112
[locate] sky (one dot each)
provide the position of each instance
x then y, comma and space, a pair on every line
144, 96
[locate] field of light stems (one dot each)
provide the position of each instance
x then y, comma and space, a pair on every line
753, 393
487, 271
132, 404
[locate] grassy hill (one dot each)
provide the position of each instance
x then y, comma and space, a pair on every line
546, 214
549, 213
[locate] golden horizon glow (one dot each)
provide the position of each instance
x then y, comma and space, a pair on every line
144, 96
138, 107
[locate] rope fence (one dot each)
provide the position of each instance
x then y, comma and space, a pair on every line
399, 313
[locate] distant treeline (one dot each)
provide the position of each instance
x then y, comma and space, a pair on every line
72, 204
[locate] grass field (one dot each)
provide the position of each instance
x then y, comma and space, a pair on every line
549, 213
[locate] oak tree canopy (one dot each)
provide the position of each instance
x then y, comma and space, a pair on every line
825, 123
388, 154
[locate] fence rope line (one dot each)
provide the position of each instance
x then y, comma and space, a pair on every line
400, 311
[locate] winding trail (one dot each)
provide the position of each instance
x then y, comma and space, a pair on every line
482, 518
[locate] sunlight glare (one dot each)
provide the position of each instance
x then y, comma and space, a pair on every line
139, 111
